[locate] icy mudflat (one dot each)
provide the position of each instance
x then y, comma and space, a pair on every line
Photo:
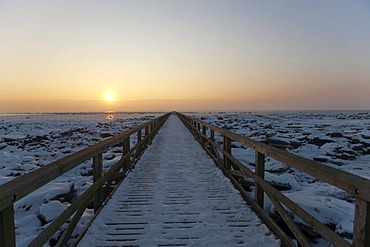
177, 196
337, 139
30, 141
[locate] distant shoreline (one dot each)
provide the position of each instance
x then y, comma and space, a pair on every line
185, 111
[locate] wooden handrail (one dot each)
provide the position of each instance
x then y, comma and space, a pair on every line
356, 185
20, 187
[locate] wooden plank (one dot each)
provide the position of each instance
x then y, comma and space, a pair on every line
117, 175
7, 229
361, 232
240, 174
72, 225
290, 223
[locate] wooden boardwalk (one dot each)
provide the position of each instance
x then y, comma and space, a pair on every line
176, 196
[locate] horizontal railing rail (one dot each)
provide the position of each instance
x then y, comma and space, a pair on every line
357, 186
104, 182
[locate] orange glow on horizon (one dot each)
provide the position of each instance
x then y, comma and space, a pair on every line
236, 56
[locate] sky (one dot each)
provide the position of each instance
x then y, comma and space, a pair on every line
117, 55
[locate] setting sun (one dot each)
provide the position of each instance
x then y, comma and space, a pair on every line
109, 97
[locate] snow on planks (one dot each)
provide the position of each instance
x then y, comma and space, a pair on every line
176, 196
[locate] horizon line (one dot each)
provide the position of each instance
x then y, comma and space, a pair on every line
190, 110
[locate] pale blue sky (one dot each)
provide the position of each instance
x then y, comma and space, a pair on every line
245, 55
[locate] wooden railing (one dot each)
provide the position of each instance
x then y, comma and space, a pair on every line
103, 183
357, 186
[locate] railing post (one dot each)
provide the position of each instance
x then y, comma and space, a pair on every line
361, 231
139, 136
204, 130
212, 137
198, 127
98, 172
146, 131
260, 171
7, 229
126, 150
227, 149
138, 150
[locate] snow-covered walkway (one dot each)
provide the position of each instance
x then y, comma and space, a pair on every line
176, 196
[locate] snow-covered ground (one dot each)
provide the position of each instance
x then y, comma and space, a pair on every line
338, 139
30, 141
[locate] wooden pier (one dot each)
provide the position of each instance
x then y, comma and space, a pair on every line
175, 196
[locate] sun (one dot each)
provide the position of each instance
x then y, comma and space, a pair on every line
109, 97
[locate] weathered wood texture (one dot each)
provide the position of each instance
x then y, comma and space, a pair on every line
22, 186
233, 168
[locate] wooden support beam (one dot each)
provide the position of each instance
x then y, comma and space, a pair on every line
7, 229
361, 232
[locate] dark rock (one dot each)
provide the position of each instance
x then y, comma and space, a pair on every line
269, 126
321, 159
358, 147
335, 134
366, 144
353, 140
277, 143
283, 131
319, 141
105, 135
366, 136
280, 186
296, 145
42, 219
345, 156
322, 126
336, 162
87, 173
66, 197
302, 138
109, 157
